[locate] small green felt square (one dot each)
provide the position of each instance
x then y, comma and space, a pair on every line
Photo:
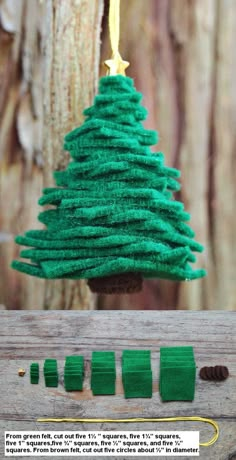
103, 376
176, 350
103, 355
136, 365
75, 358
136, 353
74, 368
101, 364
73, 383
51, 382
50, 373
104, 389
50, 362
137, 384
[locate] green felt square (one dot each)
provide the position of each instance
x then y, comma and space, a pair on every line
103, 371
176, 362
136, 353
50, 373
137, 384
51, 382
103, 355
102, 376
75, 358
176, 350
136, 365
48, 370
50, 362
73, 383
34, 366
73, 367
178, 384
104, 389
101, 364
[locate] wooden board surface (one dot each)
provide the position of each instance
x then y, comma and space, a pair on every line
29, 336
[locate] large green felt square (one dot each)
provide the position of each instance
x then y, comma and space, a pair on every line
177, 383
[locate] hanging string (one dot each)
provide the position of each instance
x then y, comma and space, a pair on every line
116, 65
114, 26
137, 420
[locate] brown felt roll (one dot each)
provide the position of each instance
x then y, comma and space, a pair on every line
123, 283
216, 373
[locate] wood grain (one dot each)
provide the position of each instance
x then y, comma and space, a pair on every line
49, 61
183, 61
27, 336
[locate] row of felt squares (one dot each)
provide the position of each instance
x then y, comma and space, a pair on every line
176, 379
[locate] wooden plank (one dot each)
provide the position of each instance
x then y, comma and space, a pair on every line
224, 158
27, 336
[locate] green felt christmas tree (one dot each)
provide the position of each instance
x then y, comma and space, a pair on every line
113, 218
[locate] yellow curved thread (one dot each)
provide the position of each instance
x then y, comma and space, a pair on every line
135, 420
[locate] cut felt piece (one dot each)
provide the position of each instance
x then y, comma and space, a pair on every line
178, 383
50, 372
103, 373
177, 374
172, 351
101, 355
137, 384
34, 373
103, 383
137, 373
134, 353
74, 373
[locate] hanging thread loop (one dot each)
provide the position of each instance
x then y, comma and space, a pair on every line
115, 65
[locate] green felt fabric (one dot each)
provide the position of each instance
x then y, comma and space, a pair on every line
178, 383
137, 373
177, 373
103, 373
103, 355
74, 373
34, 373
137, 384
114, 208
176, 350
50, 372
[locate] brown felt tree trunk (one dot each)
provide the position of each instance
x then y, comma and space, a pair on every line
49, 56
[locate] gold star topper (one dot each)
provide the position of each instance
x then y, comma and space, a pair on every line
116, 65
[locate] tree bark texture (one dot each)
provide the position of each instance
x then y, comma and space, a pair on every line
183, 61
182, 55
50, 53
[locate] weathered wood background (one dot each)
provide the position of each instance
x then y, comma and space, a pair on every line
183, 60
34, 336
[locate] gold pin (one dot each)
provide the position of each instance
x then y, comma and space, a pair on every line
21, 372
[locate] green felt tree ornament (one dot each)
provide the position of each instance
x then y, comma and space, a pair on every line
113, 218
